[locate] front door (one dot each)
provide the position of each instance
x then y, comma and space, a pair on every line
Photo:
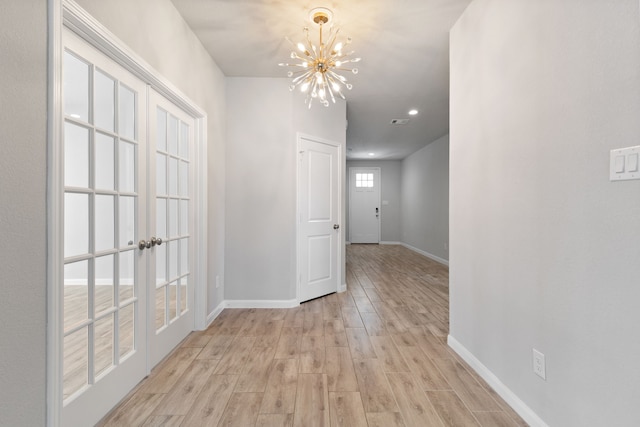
319, 233
364, 205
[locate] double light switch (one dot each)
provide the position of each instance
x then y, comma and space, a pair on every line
624, 164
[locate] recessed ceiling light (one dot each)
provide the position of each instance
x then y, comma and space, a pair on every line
372, 154
413, 112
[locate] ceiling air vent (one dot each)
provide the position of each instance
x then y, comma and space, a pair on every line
399, 121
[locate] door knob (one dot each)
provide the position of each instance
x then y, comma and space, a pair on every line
336, 226
158, 241
154, 241
142, 245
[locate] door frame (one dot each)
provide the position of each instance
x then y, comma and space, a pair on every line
379, 170
67, 13
340, 255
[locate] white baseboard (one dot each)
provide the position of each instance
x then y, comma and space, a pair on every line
347, 243
427, 254
342, 288
215, 313
389, 243
261, 303
510, 397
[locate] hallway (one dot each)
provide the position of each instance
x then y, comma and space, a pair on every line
375, 355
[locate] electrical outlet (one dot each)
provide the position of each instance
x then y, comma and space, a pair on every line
539, 366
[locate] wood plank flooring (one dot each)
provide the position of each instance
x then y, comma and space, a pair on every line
375, 355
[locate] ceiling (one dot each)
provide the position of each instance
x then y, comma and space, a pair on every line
404, 45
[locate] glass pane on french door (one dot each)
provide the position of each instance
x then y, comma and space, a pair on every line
171, 135
103, 287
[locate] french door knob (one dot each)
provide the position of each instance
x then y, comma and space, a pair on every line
158, 241
153, 241
142, 245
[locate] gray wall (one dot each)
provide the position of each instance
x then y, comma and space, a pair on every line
390, 215
156, 31
263, 118
23, 91
544, 248
425, 199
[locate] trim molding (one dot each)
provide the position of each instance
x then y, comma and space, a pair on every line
214, 314
427, 254
342, 288
239, 303
503, 391
347, 243
389, 243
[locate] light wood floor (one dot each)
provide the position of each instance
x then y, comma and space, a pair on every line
373, 356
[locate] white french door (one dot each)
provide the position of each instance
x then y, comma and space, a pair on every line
319, 235
364, 205
105, 189
172, 292
127, 291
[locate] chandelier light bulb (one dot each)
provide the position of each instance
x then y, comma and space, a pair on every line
318, 65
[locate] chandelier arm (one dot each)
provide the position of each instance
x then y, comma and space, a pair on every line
333, 41
301, 78
337, 76
331, 93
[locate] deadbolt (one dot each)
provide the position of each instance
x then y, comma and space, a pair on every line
336, 226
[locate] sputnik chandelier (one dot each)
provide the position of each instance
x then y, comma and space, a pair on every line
317, 72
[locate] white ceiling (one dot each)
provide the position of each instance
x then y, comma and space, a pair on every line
404, 45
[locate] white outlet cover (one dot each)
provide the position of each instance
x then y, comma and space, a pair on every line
539, 365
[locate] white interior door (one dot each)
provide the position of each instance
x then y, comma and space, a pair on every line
103, 292
319, 234
171, 218
364, 205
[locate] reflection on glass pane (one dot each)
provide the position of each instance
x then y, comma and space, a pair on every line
105, 163
76, 361
126, 335
127, 167
76, 156
172, 135
183, 293
173, 217
161, 264
127, 221
127, 113
104, 103
76, 293
127, 276
76, 224
161, 130
173, 300
184, 256
161, 174
160, 307
184, 179
104, 222
184, 217
173, 259
173, 176
184, 140
103, 291
161, 218
103, 350
76, 88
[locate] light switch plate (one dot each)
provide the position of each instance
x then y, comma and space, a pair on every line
623, 164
